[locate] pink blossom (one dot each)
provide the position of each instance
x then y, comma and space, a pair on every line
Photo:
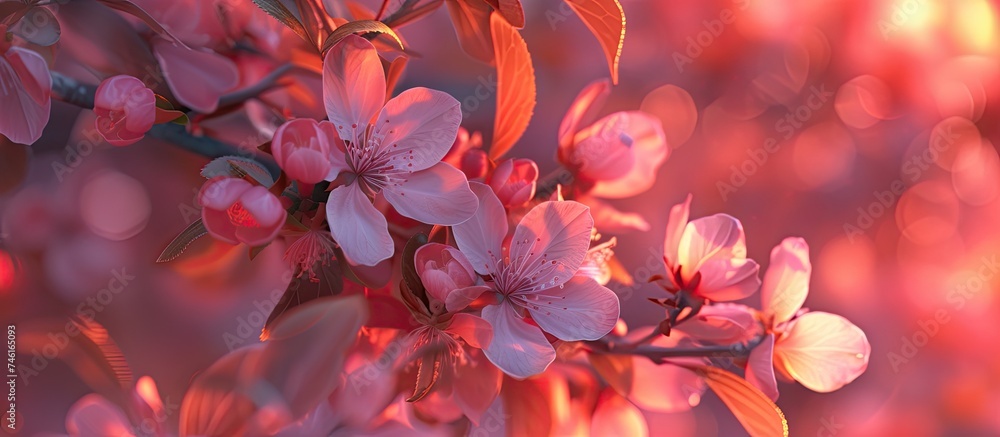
619, 154
514, 181
25, 89
707, 256
235, 211
395, 153
821, 351
448, 276
302, 150
616, 157
125, 110
534, 274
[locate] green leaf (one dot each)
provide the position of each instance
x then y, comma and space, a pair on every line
755, 411
278, 10
362, 27
181, 242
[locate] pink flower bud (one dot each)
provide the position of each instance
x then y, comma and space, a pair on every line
514, 181
234, 211
302, 150
125, 110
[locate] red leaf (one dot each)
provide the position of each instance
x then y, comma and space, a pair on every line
755, 411
515, 86
472, 24
606, 21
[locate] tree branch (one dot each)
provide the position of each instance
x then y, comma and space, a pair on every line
71, 91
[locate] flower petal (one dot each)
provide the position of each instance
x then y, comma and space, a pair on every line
718, 236
95, 415
616, 416
302, 150
721, 323
461, 298
518, 347
197, 78
353, 85
760, 368
591, 98
665, 387
439, 195
786, 282
359, 228
25, 87
550, 243
580, 309
480, 238
678, 220
728, 279
649, 150
420, 125
473, 329
822, 351
478, 385
442, 269
222, 192
603, 151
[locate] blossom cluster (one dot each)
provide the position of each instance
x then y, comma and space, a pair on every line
453, 281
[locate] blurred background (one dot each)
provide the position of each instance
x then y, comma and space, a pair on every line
866, 127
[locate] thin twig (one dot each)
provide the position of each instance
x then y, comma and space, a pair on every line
71, 91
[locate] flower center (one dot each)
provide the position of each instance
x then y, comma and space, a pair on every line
239, 216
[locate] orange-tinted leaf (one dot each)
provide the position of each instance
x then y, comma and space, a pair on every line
606, 20
472, 25
515, 86
511, 11
755, 411
393, 74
